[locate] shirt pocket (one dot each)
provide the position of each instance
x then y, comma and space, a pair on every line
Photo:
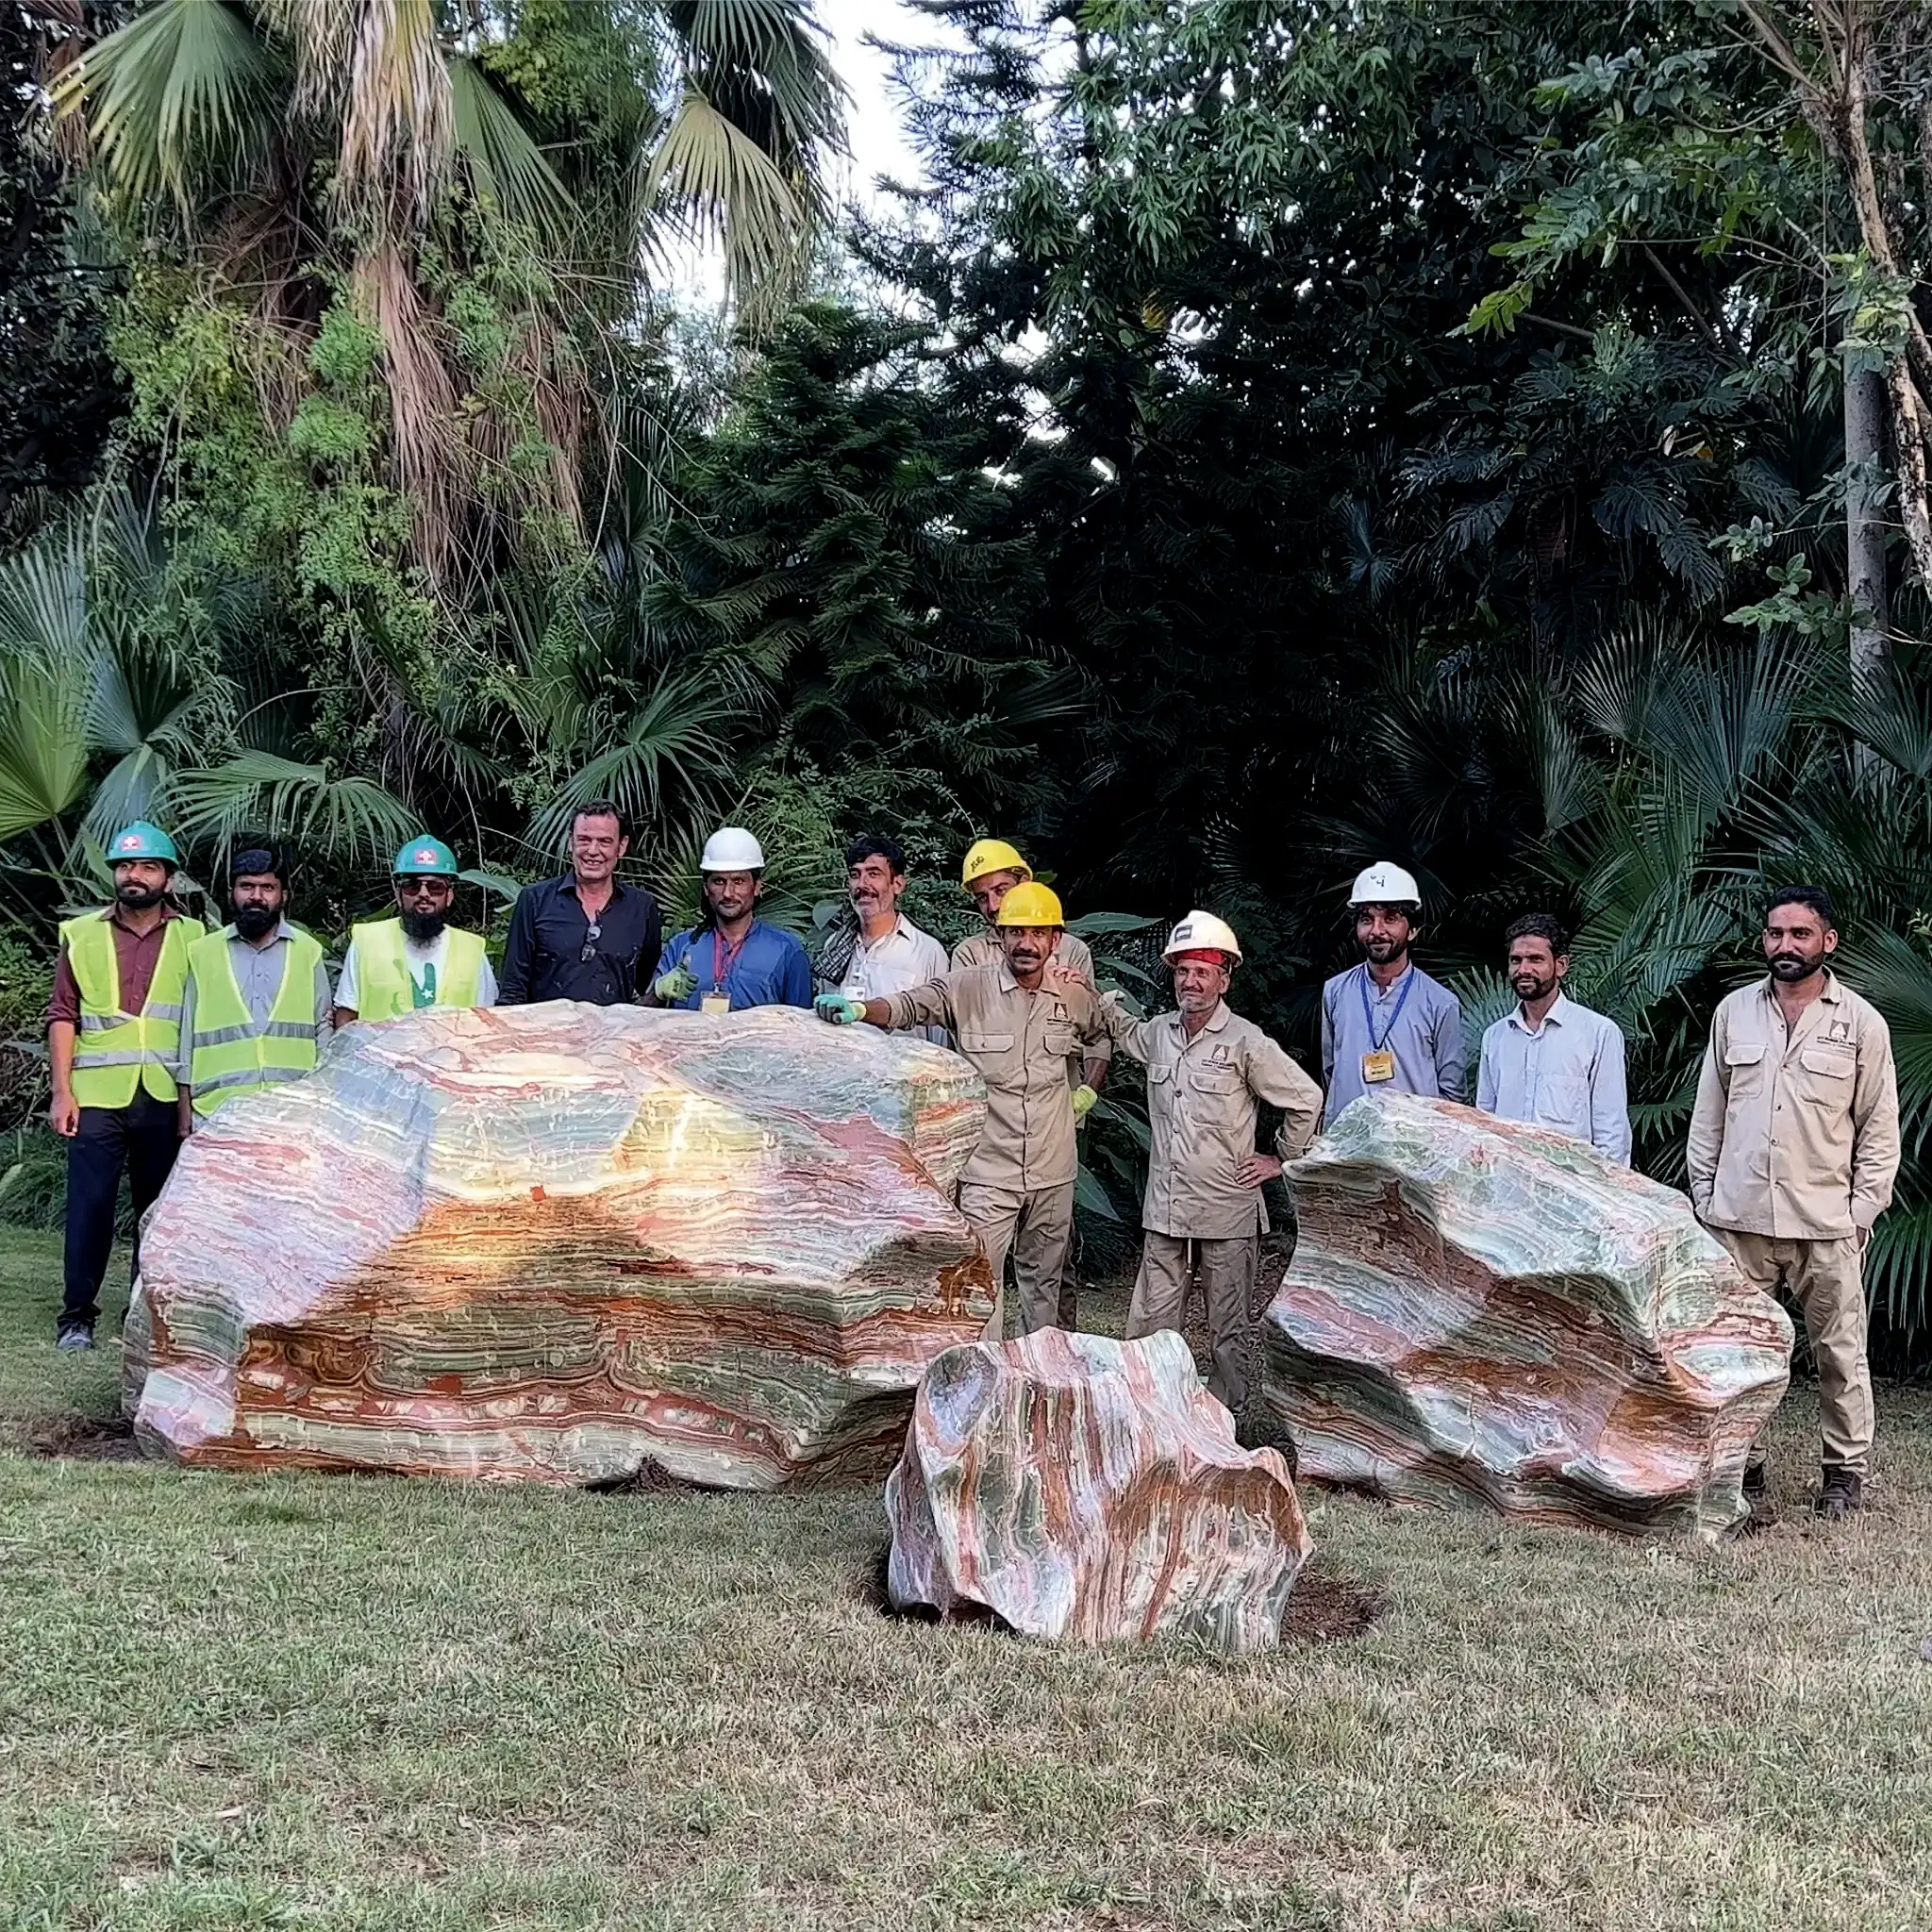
1824, 1077
1565, 1098
991, 1052
1744, 1065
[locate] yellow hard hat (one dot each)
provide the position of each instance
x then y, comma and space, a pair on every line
1031, 905
992, 855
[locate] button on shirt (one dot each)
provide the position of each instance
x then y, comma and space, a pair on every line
259, 971
1072, 957
770, 969
1423, 1031
1202, 1100
1018, 1043
543, 957
1795, 1136
896, 961
1566, 1074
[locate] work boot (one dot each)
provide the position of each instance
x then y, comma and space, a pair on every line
73, 1335
1842, 1492
1754, 1483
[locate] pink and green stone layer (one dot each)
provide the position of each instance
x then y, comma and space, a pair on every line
565, 1243
1484, 1314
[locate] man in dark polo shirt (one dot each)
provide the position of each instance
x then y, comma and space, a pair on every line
583, 936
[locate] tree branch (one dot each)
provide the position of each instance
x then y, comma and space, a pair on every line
1690, 308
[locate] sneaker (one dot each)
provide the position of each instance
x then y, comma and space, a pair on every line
76, 1334
1841, 1492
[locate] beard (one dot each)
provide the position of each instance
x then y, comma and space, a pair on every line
138, 898
256, 921
1526, 988
423, 928
1792, 967
1196, 1002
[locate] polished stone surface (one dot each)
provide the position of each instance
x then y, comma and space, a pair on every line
1482, 1314
1091, 1490
564, 1244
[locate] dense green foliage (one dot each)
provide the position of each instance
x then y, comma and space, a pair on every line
1281, 434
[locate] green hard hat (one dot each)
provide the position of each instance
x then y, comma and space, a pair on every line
425, 854
141, 840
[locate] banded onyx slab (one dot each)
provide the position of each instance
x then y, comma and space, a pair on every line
1483, 1313
1091, 1490
563, 1244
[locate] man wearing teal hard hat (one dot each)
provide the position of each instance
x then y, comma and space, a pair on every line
416, 960
114, 1035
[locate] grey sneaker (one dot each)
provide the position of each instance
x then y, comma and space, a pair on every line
76, 1334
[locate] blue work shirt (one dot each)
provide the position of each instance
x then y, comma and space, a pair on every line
1416, 1019
770, 968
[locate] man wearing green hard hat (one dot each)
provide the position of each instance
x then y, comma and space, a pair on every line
416, 960
114, 1037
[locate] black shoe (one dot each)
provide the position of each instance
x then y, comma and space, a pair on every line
1841, 1492
1754, 1483
74, 1334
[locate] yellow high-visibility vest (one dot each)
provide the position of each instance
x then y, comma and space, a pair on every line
119, 1053
383, 985
231, 1052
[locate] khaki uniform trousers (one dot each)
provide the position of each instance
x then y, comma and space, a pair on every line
1036, 1229
1227, 1270
1826, 1279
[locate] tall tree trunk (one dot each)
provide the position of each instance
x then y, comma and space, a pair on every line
1864, 522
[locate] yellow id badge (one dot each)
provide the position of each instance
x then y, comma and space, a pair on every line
1377, 1067
719, 1001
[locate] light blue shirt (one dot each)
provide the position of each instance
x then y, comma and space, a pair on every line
770, 970
1566, 1074
1416, 1019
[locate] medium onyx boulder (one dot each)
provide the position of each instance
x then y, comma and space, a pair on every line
1091, 1490
1485, 1314
565, 1245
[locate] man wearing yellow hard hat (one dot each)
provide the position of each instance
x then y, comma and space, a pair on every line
1207, 1073
1018, 1022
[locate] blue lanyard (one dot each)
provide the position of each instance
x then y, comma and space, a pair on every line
1368, 1017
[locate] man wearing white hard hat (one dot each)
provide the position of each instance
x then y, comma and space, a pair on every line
1207, 1073
731, 959
1387, 1028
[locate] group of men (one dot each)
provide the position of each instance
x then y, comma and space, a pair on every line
1794, 1143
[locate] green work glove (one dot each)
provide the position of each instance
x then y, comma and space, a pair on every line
1084, 1098
675, 987
839, 1009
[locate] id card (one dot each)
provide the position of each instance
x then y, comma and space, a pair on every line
1377, 1067
716, 1001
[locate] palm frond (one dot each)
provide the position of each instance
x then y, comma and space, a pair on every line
346, 820
505, 166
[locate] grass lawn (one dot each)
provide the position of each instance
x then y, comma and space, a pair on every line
346, 1703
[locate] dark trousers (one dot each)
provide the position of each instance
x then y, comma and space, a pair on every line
142, 1138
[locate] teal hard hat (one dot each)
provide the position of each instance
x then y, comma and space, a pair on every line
141, 840
425, 854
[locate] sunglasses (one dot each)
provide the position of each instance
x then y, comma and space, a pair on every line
592, 933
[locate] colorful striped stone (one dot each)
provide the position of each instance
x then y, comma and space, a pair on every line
1091, 1490
563, 1244
1482, 1314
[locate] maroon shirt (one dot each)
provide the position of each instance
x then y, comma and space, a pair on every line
136, 953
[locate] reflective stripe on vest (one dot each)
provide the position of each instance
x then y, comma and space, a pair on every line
231, 1052
382, 971
119, 1053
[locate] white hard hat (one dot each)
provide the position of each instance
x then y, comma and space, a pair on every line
1201, 932
1385, 885
732, 848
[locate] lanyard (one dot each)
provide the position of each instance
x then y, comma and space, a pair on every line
721, 961
1368, 1017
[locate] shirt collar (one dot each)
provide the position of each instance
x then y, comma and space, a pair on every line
283, 931
1559, 1009
1833, 993
570, 886
110, 915
900, 928
1395, 986
1213, 1024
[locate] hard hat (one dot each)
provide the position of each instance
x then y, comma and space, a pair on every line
1029, 904
1385, 885
732, 849
141, 840
1201, 932
992, 855
425, 857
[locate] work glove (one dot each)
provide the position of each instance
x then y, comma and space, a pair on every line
837, 1009
675, 987
1084, 1098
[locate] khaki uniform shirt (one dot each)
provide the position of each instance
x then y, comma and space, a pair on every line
1073, 957
1018, 1042
1203, 1096
1795, 1138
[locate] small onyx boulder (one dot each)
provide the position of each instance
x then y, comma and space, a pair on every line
567, 1244
1088, 1489
1485, 1314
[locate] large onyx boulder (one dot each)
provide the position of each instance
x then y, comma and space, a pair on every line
1482, 1314
567, 1244
1091, 1490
